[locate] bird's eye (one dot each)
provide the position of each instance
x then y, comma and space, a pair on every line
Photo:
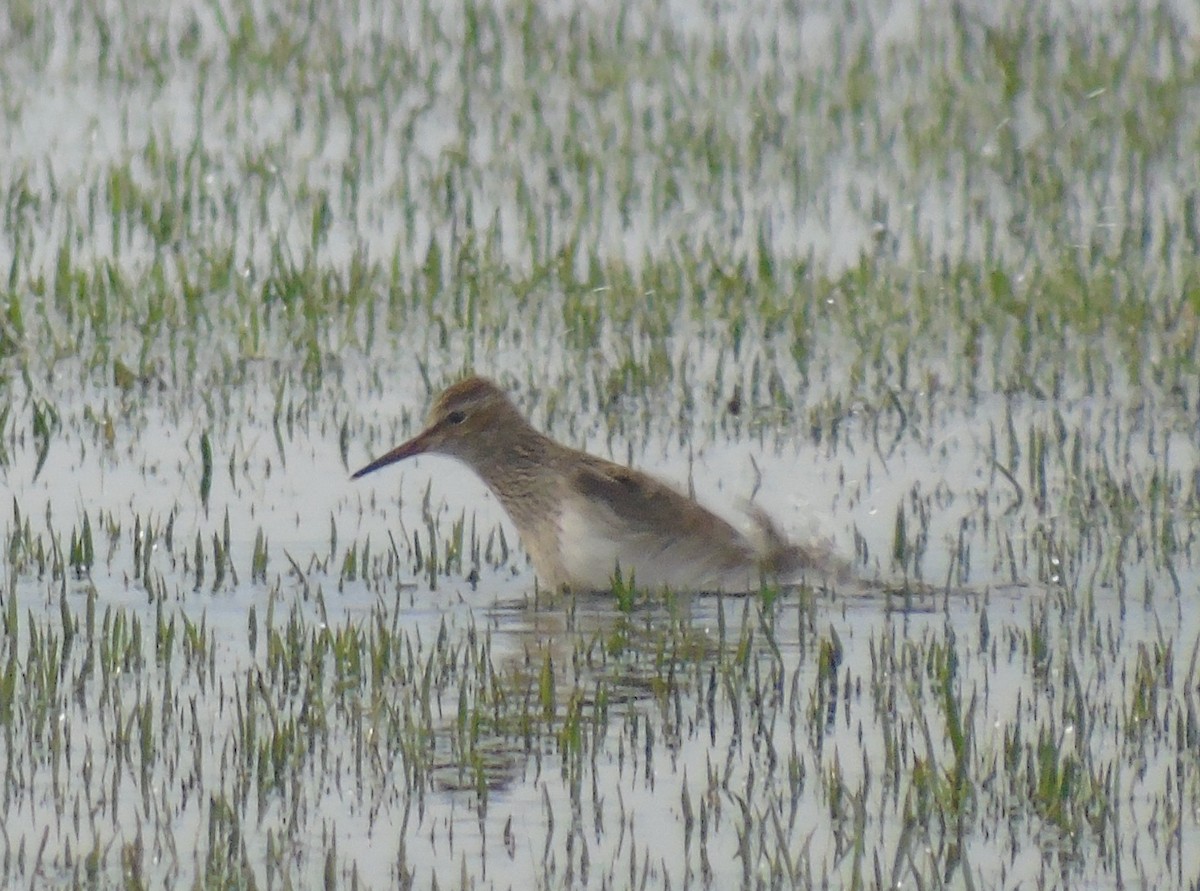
456, 417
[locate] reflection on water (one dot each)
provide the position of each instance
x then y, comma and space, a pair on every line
874, 272
993, 650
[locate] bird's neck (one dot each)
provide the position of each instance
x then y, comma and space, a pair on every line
513, 464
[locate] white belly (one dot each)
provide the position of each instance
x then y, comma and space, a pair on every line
591, 547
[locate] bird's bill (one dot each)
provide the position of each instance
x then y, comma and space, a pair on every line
418, 445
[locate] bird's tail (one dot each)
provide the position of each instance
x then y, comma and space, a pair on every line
787, 560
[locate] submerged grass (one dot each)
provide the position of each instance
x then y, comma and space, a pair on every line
936, 267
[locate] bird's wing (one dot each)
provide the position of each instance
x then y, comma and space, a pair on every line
642, 505
673, 528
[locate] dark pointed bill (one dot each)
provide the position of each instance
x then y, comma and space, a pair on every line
414, 446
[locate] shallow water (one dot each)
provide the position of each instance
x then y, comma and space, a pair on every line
712, 699
875, 272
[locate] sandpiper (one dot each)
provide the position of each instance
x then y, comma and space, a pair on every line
582, 518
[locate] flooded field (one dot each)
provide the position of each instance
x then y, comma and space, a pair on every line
919, 280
